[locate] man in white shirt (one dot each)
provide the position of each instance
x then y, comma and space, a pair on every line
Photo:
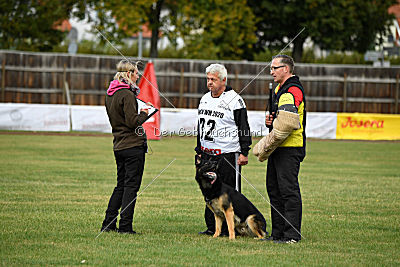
223, 132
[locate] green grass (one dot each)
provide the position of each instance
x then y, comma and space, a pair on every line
54, 191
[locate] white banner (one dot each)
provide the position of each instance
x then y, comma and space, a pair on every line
34, 117
318, 124
90, 119
321, 125
257, 123
178, 121
182, 122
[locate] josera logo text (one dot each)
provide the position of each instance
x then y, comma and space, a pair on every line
353, 123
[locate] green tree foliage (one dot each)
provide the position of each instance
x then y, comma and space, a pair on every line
219, 29
210, 29
31, 25
213, 29
332, 24
123, 18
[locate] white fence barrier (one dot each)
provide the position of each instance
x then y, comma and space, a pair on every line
34, 117
90, 119
40, 117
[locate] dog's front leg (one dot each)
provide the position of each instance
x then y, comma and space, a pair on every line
218, 225
230, 215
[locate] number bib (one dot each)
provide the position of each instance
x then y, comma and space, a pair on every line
216, 124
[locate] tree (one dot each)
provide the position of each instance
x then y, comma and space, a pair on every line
32, 25
123, 18
209, 28
220, 29
334, 24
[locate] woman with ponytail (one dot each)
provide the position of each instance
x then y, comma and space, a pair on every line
129, 145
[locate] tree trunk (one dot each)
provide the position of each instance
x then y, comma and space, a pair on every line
154, 43
155, 27
298, 48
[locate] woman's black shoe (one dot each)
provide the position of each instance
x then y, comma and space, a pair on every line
128, 232
103, 229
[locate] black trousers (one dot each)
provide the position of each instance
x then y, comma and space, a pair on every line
230, 176
130, 165
284, 192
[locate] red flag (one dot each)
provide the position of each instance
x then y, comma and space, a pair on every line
149, 93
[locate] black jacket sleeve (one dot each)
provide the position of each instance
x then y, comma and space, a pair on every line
244, 133
198, 146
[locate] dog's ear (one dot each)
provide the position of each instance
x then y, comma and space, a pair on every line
197, 160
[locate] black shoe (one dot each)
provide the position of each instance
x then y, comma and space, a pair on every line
206, 232
287, 241
270, 238
109, 229
127, 232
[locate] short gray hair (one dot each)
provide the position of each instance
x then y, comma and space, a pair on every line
220, 69
287, 60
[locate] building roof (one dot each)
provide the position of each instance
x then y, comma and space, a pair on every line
63, 26
395, 9
146, 32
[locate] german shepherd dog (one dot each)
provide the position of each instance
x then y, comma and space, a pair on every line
228, 204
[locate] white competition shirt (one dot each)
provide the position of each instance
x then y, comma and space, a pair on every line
217, 128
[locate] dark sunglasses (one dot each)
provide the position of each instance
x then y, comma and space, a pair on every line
277, 67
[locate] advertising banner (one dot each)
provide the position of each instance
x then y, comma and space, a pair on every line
321, 125
90, 119
368, 126
182, 122
34, 117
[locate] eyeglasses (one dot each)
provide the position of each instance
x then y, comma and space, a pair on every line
277, 67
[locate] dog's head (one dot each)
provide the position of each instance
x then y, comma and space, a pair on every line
206, 172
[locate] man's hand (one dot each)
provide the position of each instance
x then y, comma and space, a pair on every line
269, 119
242, 160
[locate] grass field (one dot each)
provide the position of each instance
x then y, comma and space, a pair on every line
54, 191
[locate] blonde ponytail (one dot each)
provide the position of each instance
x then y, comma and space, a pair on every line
122, 71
